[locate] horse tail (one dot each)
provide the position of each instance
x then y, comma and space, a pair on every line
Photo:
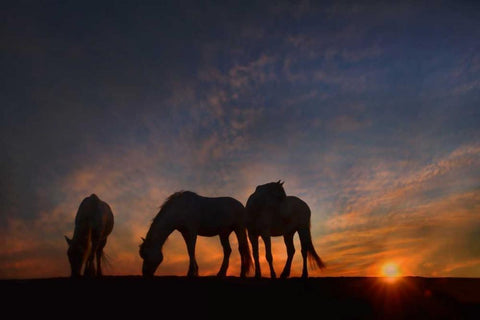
106, 261
313, 258
244, 248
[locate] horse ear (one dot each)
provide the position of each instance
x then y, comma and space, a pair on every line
281, 183
69, 241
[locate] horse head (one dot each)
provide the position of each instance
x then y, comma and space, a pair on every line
76, 254
152, 257
267, 196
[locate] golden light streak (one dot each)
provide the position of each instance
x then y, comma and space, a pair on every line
391, 271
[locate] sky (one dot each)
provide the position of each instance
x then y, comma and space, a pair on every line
370, 113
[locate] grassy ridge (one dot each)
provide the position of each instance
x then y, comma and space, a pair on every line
212, 297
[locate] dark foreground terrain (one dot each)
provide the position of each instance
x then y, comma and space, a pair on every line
124, 297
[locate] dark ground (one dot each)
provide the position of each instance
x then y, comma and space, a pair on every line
125, 297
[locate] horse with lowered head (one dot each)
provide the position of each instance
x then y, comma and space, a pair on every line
272, 213
93, 224
194, 215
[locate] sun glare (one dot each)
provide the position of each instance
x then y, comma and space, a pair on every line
390, 270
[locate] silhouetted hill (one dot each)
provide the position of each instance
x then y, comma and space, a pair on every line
211, 297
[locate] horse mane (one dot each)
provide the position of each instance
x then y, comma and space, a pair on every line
273, 183
93, 196
269, 185
169, 200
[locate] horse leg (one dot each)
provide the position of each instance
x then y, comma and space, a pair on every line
304, 243
90, 266
190, 240
288, 239
254, 241
227, 250
101, 245
244, 250
268, 255
88, 272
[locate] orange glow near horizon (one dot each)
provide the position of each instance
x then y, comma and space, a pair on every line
391, 271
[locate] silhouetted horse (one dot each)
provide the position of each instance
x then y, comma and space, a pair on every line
93, 224
193, 215
271, 213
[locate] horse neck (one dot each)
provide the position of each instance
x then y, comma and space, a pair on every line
161, 229
81, 234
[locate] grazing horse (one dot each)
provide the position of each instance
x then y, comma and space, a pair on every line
93, 224
193, 215
272, 213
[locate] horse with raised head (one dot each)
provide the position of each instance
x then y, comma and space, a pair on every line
93, 224
194, 215
272, 213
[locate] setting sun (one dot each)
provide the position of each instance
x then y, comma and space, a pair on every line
390, 270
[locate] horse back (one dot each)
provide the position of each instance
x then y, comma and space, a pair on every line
297, 209
220, 212
94, 214
223, 206
293, 214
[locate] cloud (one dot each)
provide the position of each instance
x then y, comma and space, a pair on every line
346, 81
405, 223
376, 133
346, 123
255, 72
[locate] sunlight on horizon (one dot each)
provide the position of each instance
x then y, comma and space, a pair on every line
391, 271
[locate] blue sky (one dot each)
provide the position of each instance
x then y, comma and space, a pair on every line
369, 112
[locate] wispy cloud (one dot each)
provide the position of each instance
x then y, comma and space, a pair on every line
367, 111
404, 222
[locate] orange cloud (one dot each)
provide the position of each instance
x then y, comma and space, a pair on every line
387, 217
